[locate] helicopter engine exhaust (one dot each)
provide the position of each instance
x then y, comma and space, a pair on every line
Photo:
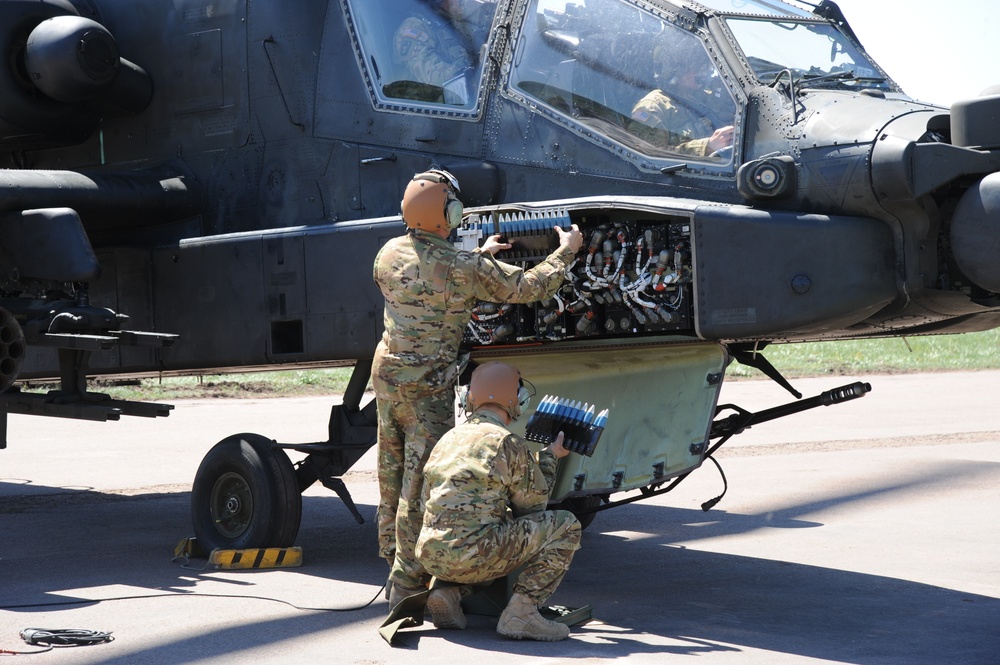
73, 59
61, 73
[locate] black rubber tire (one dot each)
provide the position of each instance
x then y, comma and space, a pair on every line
579, 505
245, 495
291, 500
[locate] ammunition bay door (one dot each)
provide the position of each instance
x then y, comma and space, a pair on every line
661, 394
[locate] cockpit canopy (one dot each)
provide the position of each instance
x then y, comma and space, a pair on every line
813, 55
423, 51
648, 80
635, 77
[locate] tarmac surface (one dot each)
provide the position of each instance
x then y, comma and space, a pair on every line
866, 533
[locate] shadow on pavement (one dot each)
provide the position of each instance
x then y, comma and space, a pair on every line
651, 594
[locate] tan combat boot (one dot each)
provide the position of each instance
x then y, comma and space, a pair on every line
521, 621
398, 593
445, 606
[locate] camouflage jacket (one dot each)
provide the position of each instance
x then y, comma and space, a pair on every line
430, 289
479, 474
659, 121
430, 51
433, 49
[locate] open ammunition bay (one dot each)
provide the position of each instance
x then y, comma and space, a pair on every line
632, 277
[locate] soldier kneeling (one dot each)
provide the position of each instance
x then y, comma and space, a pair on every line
484, 515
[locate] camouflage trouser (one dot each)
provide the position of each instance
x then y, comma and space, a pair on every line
542, 542
407, 430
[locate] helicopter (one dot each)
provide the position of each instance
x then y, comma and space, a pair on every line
201, 186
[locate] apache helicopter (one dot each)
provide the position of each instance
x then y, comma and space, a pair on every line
200, 186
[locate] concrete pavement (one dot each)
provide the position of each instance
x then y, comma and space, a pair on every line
864, 533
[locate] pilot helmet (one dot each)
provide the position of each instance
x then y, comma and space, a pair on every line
430, 202
500, 384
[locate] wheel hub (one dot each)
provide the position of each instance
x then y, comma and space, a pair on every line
231, 505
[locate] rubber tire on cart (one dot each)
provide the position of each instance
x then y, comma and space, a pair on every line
579, 505
245, 495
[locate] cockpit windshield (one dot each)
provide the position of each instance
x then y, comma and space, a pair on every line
625, 74
758, 7
810, 54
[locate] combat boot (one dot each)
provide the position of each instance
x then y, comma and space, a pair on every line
398, 593
521, 621
445, 606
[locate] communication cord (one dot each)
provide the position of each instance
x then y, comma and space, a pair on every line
79, 637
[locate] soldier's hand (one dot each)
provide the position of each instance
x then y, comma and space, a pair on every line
493, 245
556, 447
572, 238
721, 138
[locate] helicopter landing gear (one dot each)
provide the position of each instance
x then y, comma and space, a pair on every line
245, 495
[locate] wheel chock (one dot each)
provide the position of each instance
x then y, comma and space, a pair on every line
190, 548
267, 557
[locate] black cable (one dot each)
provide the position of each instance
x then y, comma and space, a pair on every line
64, 637
708, 505
196, 595
79, 637
9, 652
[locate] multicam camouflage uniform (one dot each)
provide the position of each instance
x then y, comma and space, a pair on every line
430, 288
660, 121
430, 50
485, 511
435, 49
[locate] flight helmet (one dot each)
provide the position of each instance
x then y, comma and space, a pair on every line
430, 202
500, 384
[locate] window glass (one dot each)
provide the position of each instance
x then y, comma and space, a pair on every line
638, 79
429, 52
756, 7
813, 55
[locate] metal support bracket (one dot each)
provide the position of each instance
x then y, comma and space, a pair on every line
73, 400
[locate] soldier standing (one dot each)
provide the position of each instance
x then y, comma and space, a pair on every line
484, 517
430, 289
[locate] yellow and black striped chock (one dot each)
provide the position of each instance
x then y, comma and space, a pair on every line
265, 557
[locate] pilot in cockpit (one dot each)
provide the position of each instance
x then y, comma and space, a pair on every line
435, 47
684, 113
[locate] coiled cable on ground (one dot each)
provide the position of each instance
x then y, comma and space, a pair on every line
61, 637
